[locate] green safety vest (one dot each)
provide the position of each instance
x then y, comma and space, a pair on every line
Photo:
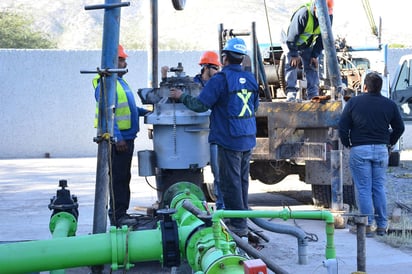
122, 111
309, 30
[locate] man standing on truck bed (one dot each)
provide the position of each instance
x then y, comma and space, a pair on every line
232, 95
368, 125
304, 44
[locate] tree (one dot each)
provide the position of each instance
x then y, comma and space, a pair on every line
16, 32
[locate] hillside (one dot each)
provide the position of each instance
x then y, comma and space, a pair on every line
196, 26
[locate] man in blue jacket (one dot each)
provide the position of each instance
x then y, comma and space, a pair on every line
126, 127
232, 95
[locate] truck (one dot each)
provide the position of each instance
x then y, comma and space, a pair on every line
293, 138
300, 138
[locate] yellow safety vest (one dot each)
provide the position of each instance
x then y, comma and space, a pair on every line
122, 111
309, 30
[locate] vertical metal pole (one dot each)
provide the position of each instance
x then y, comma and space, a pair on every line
361, 222
111, 27
109, 60
336, 180
154, 46
329, 45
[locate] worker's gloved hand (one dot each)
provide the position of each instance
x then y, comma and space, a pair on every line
295, 61
346, 97
320, 99
314, 62
164, 71
175, 93
121, 146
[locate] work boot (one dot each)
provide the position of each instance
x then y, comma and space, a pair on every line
369, 231
241, 232
126, 220
381, 231
291, 96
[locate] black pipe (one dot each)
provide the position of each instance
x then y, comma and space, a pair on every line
251, 251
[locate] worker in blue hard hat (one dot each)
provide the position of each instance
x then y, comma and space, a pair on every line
232, 96
304, 45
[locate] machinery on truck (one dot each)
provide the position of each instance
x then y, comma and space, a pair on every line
292, 137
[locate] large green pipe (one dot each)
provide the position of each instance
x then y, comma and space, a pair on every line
205, 244
119, 248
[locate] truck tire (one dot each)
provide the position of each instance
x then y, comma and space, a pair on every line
273, 172
321, 196
394, 158
209, 191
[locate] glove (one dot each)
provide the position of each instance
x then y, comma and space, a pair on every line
321, 99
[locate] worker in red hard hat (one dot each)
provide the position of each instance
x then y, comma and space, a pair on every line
209, 61
304, 45
121, 59
210, 65
121, 53
125, 129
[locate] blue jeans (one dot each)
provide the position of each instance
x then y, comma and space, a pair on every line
368, 165
234, 182
311, 73
214, 165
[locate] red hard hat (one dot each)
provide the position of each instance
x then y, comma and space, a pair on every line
121, 53
330, 4
210, 57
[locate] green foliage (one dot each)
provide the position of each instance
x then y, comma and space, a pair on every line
16, 32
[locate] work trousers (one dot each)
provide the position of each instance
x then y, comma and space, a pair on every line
234, 182
311, 74
368, 165
121, 175
214, 165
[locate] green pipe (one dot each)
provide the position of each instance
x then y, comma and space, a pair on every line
62, 225
119, 247
207, 246
286, 214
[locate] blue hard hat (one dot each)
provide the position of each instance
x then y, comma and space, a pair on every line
236, 45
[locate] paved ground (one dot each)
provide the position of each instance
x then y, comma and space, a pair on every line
26, 187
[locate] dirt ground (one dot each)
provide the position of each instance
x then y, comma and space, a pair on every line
34, 181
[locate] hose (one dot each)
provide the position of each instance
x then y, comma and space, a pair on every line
251, 251
286, 229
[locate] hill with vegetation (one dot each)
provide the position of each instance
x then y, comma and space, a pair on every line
70, 26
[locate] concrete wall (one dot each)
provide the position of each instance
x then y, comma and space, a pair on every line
47, 106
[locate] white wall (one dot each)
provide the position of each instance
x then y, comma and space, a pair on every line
47, 106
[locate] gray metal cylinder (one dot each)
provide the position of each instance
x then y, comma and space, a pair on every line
147, 162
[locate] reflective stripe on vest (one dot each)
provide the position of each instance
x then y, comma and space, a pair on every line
309, 31
122, 111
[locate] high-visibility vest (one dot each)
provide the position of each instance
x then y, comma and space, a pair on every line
122, 111
309, 29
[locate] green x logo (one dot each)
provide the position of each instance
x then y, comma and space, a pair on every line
244, 95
